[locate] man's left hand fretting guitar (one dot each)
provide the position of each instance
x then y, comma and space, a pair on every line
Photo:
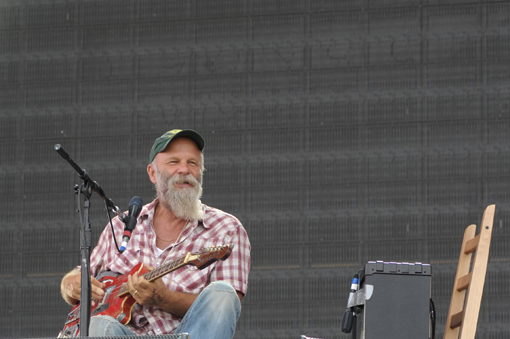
118, 303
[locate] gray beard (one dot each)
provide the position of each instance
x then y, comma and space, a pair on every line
185, 202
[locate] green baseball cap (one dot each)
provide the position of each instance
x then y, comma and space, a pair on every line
162, 142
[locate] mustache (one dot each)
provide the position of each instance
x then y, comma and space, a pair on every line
184, 179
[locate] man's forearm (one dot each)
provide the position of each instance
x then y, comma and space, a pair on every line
177, 303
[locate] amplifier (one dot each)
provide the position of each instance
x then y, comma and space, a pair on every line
396, 301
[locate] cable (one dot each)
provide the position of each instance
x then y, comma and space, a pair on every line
111, 225
432, 318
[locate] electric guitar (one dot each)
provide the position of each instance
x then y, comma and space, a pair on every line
118, 303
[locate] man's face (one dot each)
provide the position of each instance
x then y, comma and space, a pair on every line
181, 157
177, 175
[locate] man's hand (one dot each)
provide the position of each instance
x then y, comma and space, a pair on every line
70, 288
146, 293
155, 293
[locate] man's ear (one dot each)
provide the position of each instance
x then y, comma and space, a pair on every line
152, 173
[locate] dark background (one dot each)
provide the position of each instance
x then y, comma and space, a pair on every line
337, 131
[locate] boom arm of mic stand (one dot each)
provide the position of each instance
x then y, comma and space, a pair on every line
93, 185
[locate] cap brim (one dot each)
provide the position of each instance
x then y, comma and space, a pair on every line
162, 142
188, 133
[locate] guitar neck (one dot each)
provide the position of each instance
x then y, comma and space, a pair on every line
167, 268
162, 270
202, 259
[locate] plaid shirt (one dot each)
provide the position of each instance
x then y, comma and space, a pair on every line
217, 228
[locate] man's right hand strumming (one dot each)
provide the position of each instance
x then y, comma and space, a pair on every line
70, 288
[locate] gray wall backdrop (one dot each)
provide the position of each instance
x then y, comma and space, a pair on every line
337, 131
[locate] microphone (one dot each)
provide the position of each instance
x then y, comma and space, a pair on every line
348, 320
135, 207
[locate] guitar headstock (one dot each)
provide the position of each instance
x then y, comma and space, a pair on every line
207, 256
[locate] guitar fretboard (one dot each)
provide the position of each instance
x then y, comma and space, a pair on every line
201, 259
160, 271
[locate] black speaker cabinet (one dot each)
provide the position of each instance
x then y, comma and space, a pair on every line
397, 301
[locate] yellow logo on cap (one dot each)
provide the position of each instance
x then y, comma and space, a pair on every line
173, 132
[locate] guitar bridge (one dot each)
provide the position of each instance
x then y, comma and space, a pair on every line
100, 308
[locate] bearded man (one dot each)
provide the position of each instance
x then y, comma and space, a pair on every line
203, 303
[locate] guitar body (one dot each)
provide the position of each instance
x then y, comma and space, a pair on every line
118, 303
115, 305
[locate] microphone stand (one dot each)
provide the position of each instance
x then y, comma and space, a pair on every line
85, 246
87, 187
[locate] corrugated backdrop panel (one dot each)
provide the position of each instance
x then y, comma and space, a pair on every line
337, 131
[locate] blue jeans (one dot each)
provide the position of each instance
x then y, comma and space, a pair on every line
213, 314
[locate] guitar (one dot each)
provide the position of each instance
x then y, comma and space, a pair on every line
118, 303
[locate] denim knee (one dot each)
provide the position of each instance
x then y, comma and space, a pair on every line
220, 292
103, 325
222, 286
214, 313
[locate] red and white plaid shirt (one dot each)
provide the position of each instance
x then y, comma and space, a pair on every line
218, 228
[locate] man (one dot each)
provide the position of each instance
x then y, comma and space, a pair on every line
204, 303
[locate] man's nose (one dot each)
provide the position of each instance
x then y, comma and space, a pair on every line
183, 168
